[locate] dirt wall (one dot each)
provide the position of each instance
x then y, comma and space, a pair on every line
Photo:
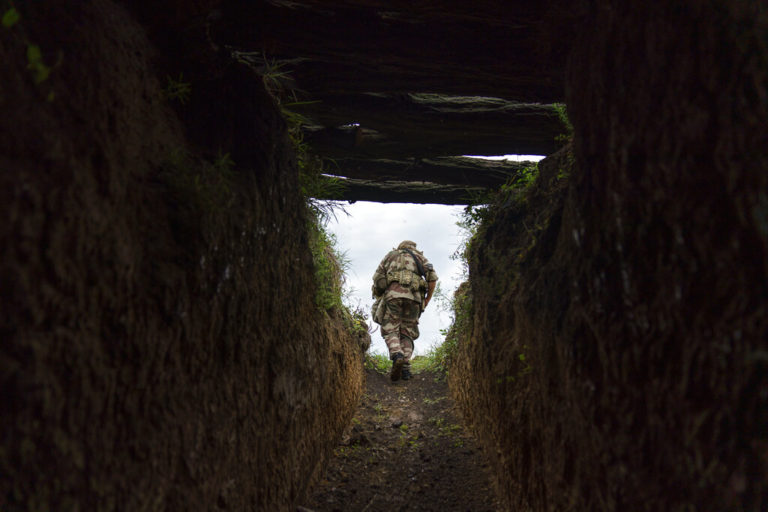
619, 326
155, 263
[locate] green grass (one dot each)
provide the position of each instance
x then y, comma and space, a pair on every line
437, 422
436, 360
452, 430
11, 17
40, 70
330, 267
178, 89
378, 362
562, 113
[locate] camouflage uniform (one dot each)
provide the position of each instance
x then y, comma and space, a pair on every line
397, 278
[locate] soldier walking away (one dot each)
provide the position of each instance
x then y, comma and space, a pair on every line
403, 286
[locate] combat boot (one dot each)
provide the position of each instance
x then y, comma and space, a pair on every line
398, 360
406, 373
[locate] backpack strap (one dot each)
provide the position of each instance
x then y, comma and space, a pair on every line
418, 263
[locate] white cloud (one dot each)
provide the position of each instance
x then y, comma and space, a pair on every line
373, 229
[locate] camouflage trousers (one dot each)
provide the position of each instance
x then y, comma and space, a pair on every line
400, 325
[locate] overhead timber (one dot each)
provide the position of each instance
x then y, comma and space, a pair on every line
387, 90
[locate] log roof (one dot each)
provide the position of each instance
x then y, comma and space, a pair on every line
392, 92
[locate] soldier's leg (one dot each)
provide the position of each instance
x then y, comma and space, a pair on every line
406, 344
409, 331
409, 325
391, 325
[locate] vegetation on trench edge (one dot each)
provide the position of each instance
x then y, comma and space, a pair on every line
562, 114
474, 221
205, 189
330, 264
39, 69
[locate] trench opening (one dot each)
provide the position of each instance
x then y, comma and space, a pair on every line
165, 342
402, 433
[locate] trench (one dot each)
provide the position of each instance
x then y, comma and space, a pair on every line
162, 345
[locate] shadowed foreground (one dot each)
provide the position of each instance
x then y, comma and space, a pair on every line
406, 449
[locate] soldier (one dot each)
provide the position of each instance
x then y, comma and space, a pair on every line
404, 281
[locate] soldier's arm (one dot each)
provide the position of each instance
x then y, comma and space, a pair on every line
430, 290
431, 281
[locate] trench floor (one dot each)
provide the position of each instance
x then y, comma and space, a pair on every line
406, 450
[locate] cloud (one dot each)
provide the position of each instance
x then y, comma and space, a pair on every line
372, 229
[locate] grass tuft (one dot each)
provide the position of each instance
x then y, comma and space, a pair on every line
378, 362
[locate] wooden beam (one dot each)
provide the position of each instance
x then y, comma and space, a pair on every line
426, 125
404, 192
437, 47
458, 171
358, 142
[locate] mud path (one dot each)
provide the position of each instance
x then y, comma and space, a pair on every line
406, 449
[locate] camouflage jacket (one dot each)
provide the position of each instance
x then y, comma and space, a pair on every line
397, 276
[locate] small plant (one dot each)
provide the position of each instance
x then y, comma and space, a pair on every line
438, 358
437, 421
525, 178
36, 64
378, 362
562, 114
178, 89
450, 430
224, 163
355, 321
461, 308
277, 80
525, 367
10, 17
330, 267
35, 61
408, 439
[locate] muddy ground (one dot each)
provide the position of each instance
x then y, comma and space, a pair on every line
406, 449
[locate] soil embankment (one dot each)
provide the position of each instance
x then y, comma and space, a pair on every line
620, 322
406, 450
155, 261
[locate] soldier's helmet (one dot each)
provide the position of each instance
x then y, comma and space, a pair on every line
407, 244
